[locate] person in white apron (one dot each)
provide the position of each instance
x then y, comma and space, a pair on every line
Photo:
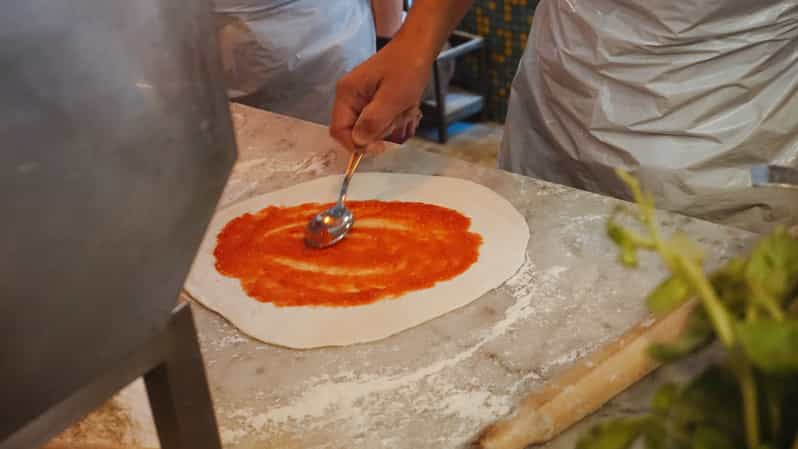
689, 94
286, 55
686, 94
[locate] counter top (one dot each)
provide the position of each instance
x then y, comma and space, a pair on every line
436, 385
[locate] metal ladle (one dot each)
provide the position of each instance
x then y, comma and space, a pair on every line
330, 226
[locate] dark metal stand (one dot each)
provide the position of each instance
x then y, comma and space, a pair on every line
172, 367
442, 111
460, 103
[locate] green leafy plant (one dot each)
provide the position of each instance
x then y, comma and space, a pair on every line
748, 400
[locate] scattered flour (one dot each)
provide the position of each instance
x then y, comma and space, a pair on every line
235, 190
543, 188
348, 402
249, 174
314, 163
580, 231
570, 357
133, 399
228, 340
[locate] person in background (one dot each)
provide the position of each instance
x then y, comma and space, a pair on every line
388, 17
686, 94
286, 55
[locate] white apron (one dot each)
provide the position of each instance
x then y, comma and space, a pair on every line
286, 55
687, 94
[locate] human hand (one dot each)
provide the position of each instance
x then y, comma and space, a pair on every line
380, 98
404, 127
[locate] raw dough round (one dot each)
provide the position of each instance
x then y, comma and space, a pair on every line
503, 229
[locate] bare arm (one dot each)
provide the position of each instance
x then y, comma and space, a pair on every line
387, 16
381, 95
430, 22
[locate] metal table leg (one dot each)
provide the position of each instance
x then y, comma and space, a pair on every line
172, 366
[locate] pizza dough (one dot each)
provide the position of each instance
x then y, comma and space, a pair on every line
503, 229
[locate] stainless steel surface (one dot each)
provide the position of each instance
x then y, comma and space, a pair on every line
331, 226
117, 142
774, 176
178, 389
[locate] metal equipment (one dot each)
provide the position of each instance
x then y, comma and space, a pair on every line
774, 176
116, 144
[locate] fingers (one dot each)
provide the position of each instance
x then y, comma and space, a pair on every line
341, 125
376, 147
378, 99
405, 127
383, 114
346, 110
402, 133
417, 116
354, 125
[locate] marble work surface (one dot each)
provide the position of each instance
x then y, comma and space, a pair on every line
436, 385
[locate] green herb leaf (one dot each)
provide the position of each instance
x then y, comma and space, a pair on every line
644, 201
706, 437
751, 305
614, 434
773, 264
711, 399
697, 334
664, 398
771, 345
669, 294
780, 394
682, 244
626, 241
729, 283
654, 435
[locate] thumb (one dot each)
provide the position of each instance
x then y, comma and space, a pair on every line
376, 119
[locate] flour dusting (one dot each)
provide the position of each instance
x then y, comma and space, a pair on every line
570, 357
252, 174
546, 188
348, 401
285, 162
228, 340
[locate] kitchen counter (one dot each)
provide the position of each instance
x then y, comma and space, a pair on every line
436, 385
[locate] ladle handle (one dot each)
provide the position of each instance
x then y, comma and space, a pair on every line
354, 161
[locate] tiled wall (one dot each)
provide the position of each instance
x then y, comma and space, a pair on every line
505, 26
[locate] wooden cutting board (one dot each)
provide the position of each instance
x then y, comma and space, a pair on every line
87, 446
584, 388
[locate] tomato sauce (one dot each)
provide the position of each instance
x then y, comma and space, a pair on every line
393, 248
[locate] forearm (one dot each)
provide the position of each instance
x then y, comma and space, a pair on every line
429, 23
387, 16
